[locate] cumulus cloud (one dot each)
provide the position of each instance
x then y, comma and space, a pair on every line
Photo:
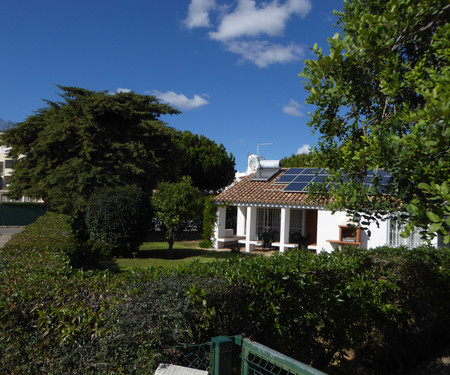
241, 27
249, 19
264, 53
180, 100
293, 109
305, 149
119, 90
198, 13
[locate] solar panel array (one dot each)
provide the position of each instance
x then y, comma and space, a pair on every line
264, 174
298, 179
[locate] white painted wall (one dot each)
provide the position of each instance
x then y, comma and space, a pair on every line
240, 224
328, 229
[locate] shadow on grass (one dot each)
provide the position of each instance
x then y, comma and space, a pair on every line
184, 253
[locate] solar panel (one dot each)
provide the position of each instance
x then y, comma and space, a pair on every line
313, 170
285, 178
295, 171
264, 174
298, 179
319, 178
303, 178
296, 187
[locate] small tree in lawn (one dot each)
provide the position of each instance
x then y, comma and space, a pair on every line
175, 204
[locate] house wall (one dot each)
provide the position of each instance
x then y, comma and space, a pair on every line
328, 229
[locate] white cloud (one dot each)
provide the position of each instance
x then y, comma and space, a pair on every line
120, 90
180, 100
305, 149
249, 19
293, 109
198, 13
240, 27
263, 53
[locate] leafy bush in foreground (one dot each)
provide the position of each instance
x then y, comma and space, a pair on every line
385, 309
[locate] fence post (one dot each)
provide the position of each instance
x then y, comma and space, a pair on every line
223, 355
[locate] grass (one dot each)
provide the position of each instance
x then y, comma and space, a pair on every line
155, 252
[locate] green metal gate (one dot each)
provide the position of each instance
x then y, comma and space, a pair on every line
218, 357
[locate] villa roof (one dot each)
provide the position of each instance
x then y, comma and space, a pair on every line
263, 192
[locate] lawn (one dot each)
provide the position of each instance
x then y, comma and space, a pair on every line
155, 252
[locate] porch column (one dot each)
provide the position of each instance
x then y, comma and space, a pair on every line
284, 227
219, 229
250, 233
240, 226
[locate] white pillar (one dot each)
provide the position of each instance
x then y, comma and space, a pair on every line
219, 229
240, 225
250, 233
284, 227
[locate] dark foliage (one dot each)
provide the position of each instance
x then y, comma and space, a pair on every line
385, 308
208, 164
120, 217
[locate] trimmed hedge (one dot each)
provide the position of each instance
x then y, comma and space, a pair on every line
356, 311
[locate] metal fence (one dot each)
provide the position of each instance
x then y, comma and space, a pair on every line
218, 357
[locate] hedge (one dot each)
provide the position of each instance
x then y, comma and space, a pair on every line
355, 311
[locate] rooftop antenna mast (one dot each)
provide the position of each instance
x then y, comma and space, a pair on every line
261, 144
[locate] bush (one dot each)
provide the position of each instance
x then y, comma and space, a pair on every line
385, 309
209, 221
120, 217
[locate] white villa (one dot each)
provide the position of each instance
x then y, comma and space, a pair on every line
270, 212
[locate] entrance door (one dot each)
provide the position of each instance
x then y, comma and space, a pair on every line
311, 226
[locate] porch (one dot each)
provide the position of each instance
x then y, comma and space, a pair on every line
276, 228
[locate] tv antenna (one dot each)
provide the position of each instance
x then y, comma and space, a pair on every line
261, 144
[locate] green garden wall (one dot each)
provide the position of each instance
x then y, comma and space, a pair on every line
20, 213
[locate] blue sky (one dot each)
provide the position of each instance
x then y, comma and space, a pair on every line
231, 67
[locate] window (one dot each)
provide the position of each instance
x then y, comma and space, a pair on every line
10, 163
268, 220
296, 222
395, 240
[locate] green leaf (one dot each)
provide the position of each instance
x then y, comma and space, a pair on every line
433, 217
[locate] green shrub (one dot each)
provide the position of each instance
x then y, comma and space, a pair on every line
120, 217
378, 306
386, 308
209, 221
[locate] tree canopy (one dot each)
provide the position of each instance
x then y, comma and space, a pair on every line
302, 160
208, 164
91, 140
5, 125
382, 101
175, 203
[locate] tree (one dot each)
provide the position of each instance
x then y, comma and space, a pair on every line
175, 203
119, 216
208, 164
5, 125
382, 101
88, 141
311, 159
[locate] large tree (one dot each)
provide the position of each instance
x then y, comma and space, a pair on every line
5, 125
91, 140
209, 165
382, 101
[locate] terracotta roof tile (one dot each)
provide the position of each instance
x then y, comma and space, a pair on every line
266, 192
